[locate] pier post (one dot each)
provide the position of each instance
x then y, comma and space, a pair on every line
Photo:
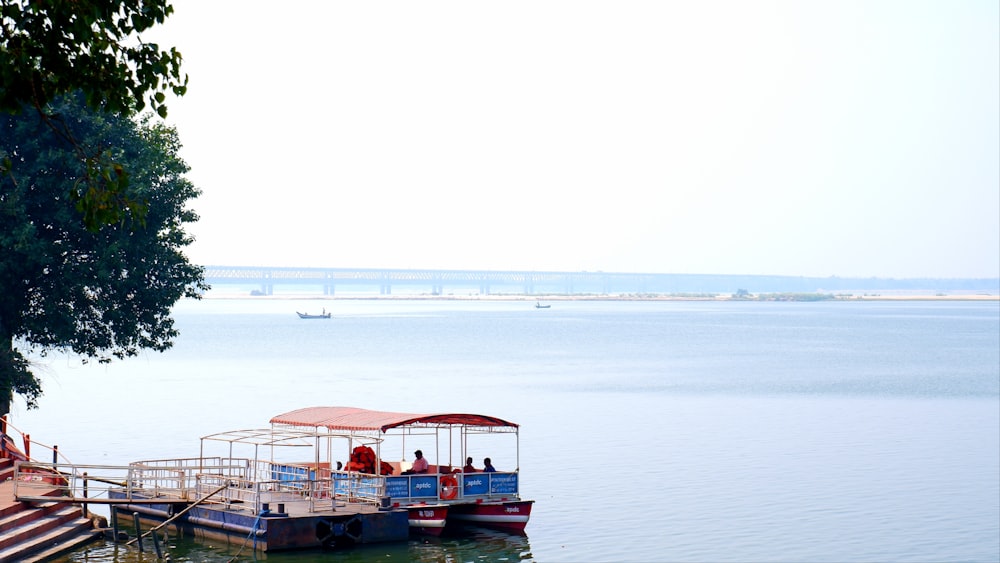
86, 514
138, 531
156, 544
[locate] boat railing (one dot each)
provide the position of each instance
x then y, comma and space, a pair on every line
178, 478
404, 490
490, 485
292, 487
250, 484
353, 486
240, 484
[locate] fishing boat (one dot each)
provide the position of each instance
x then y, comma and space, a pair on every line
538, 305
323, 315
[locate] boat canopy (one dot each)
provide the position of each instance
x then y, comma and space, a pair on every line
272, 437
350, 419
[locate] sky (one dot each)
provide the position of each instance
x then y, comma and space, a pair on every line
852, 139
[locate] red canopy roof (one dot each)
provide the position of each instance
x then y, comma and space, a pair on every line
354, 419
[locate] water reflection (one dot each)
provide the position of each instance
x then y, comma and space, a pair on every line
472, 544
462, 545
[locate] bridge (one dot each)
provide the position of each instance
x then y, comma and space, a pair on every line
435, 282
327, 281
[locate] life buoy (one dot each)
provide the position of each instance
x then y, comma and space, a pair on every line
449, 487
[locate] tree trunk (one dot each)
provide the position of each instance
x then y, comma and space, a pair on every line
8, 369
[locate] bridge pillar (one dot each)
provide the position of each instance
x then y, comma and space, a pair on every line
484, 289
328, 289
385, 289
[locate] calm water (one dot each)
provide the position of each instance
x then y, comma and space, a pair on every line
676, 431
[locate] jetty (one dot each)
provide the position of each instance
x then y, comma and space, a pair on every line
283, 488
251, 500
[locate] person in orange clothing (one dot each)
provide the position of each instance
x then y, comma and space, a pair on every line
468, 466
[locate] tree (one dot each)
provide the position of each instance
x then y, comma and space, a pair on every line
57, 47
101, 294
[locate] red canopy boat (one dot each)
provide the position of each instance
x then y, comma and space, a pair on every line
444, 494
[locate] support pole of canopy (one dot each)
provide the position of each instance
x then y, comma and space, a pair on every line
437, 447
465, 444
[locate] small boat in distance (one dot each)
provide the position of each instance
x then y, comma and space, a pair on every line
538, 305
323, 315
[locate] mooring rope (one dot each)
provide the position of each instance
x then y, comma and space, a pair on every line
253, 533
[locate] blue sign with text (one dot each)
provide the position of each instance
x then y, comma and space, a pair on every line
475, 484
503, 483
397, 487
423, 486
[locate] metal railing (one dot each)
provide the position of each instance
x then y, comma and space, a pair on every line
248, 484
7, 429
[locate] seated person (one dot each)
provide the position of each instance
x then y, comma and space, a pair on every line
468, 466
488, 466
420, 464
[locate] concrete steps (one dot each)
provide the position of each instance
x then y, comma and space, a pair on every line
34, 532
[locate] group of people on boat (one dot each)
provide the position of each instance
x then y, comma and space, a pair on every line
469, 468
420, 465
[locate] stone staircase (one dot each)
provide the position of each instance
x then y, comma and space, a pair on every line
38, 531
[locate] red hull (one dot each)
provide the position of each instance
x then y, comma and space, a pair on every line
503, 515
429, 520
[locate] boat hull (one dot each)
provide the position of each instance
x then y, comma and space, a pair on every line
502, 515
347, 525
427, 520
308, 316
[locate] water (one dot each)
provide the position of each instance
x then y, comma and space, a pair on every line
651, 431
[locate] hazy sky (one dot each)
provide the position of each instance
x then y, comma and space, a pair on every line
745, 137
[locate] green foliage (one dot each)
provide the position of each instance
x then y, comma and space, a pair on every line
101, 294
57, 47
